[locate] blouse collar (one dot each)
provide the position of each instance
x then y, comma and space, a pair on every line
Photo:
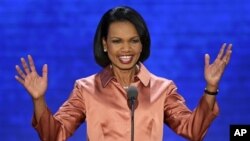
107, 75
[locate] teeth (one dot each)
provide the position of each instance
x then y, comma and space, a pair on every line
125, 58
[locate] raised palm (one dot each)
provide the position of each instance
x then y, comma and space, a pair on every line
213, 72
35, 84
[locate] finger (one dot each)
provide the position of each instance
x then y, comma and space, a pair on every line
226, 57
20, 72
230, 47
19, 79
207, 60
45, 71
31, 63
25, 66
229, 52
219, 56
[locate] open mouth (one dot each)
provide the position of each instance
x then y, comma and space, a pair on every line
125, 59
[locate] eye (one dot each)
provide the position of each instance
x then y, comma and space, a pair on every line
135, 41
116, 41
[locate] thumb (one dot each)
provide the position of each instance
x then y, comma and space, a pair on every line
45, 71
207, 60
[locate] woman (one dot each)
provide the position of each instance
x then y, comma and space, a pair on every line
121, 44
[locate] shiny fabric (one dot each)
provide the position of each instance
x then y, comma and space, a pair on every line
101, 102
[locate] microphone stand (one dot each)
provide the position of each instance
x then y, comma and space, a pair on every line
132, 99
132, 102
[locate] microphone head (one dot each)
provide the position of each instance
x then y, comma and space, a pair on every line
132, 92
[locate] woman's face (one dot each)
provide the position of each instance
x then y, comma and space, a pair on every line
123, 45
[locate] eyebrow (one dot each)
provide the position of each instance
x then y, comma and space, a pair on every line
120, 37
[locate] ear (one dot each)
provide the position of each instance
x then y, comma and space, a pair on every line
104, 43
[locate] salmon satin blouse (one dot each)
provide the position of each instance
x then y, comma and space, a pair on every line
101, 102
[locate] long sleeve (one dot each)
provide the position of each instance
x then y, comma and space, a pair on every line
68, 118
190, 124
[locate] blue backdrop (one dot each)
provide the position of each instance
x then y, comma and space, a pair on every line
60, 33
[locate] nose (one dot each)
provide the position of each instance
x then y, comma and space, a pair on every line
126, 47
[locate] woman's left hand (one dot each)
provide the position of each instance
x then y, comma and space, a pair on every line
213, 72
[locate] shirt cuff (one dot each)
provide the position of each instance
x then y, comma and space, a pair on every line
35, 123
214, 112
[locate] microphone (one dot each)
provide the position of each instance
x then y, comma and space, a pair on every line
132, 95
132, 98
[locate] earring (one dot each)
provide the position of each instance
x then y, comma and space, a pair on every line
105, 50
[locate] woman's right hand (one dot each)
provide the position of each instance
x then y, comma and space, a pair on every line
35, 84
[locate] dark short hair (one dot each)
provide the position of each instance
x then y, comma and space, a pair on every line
121, 13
